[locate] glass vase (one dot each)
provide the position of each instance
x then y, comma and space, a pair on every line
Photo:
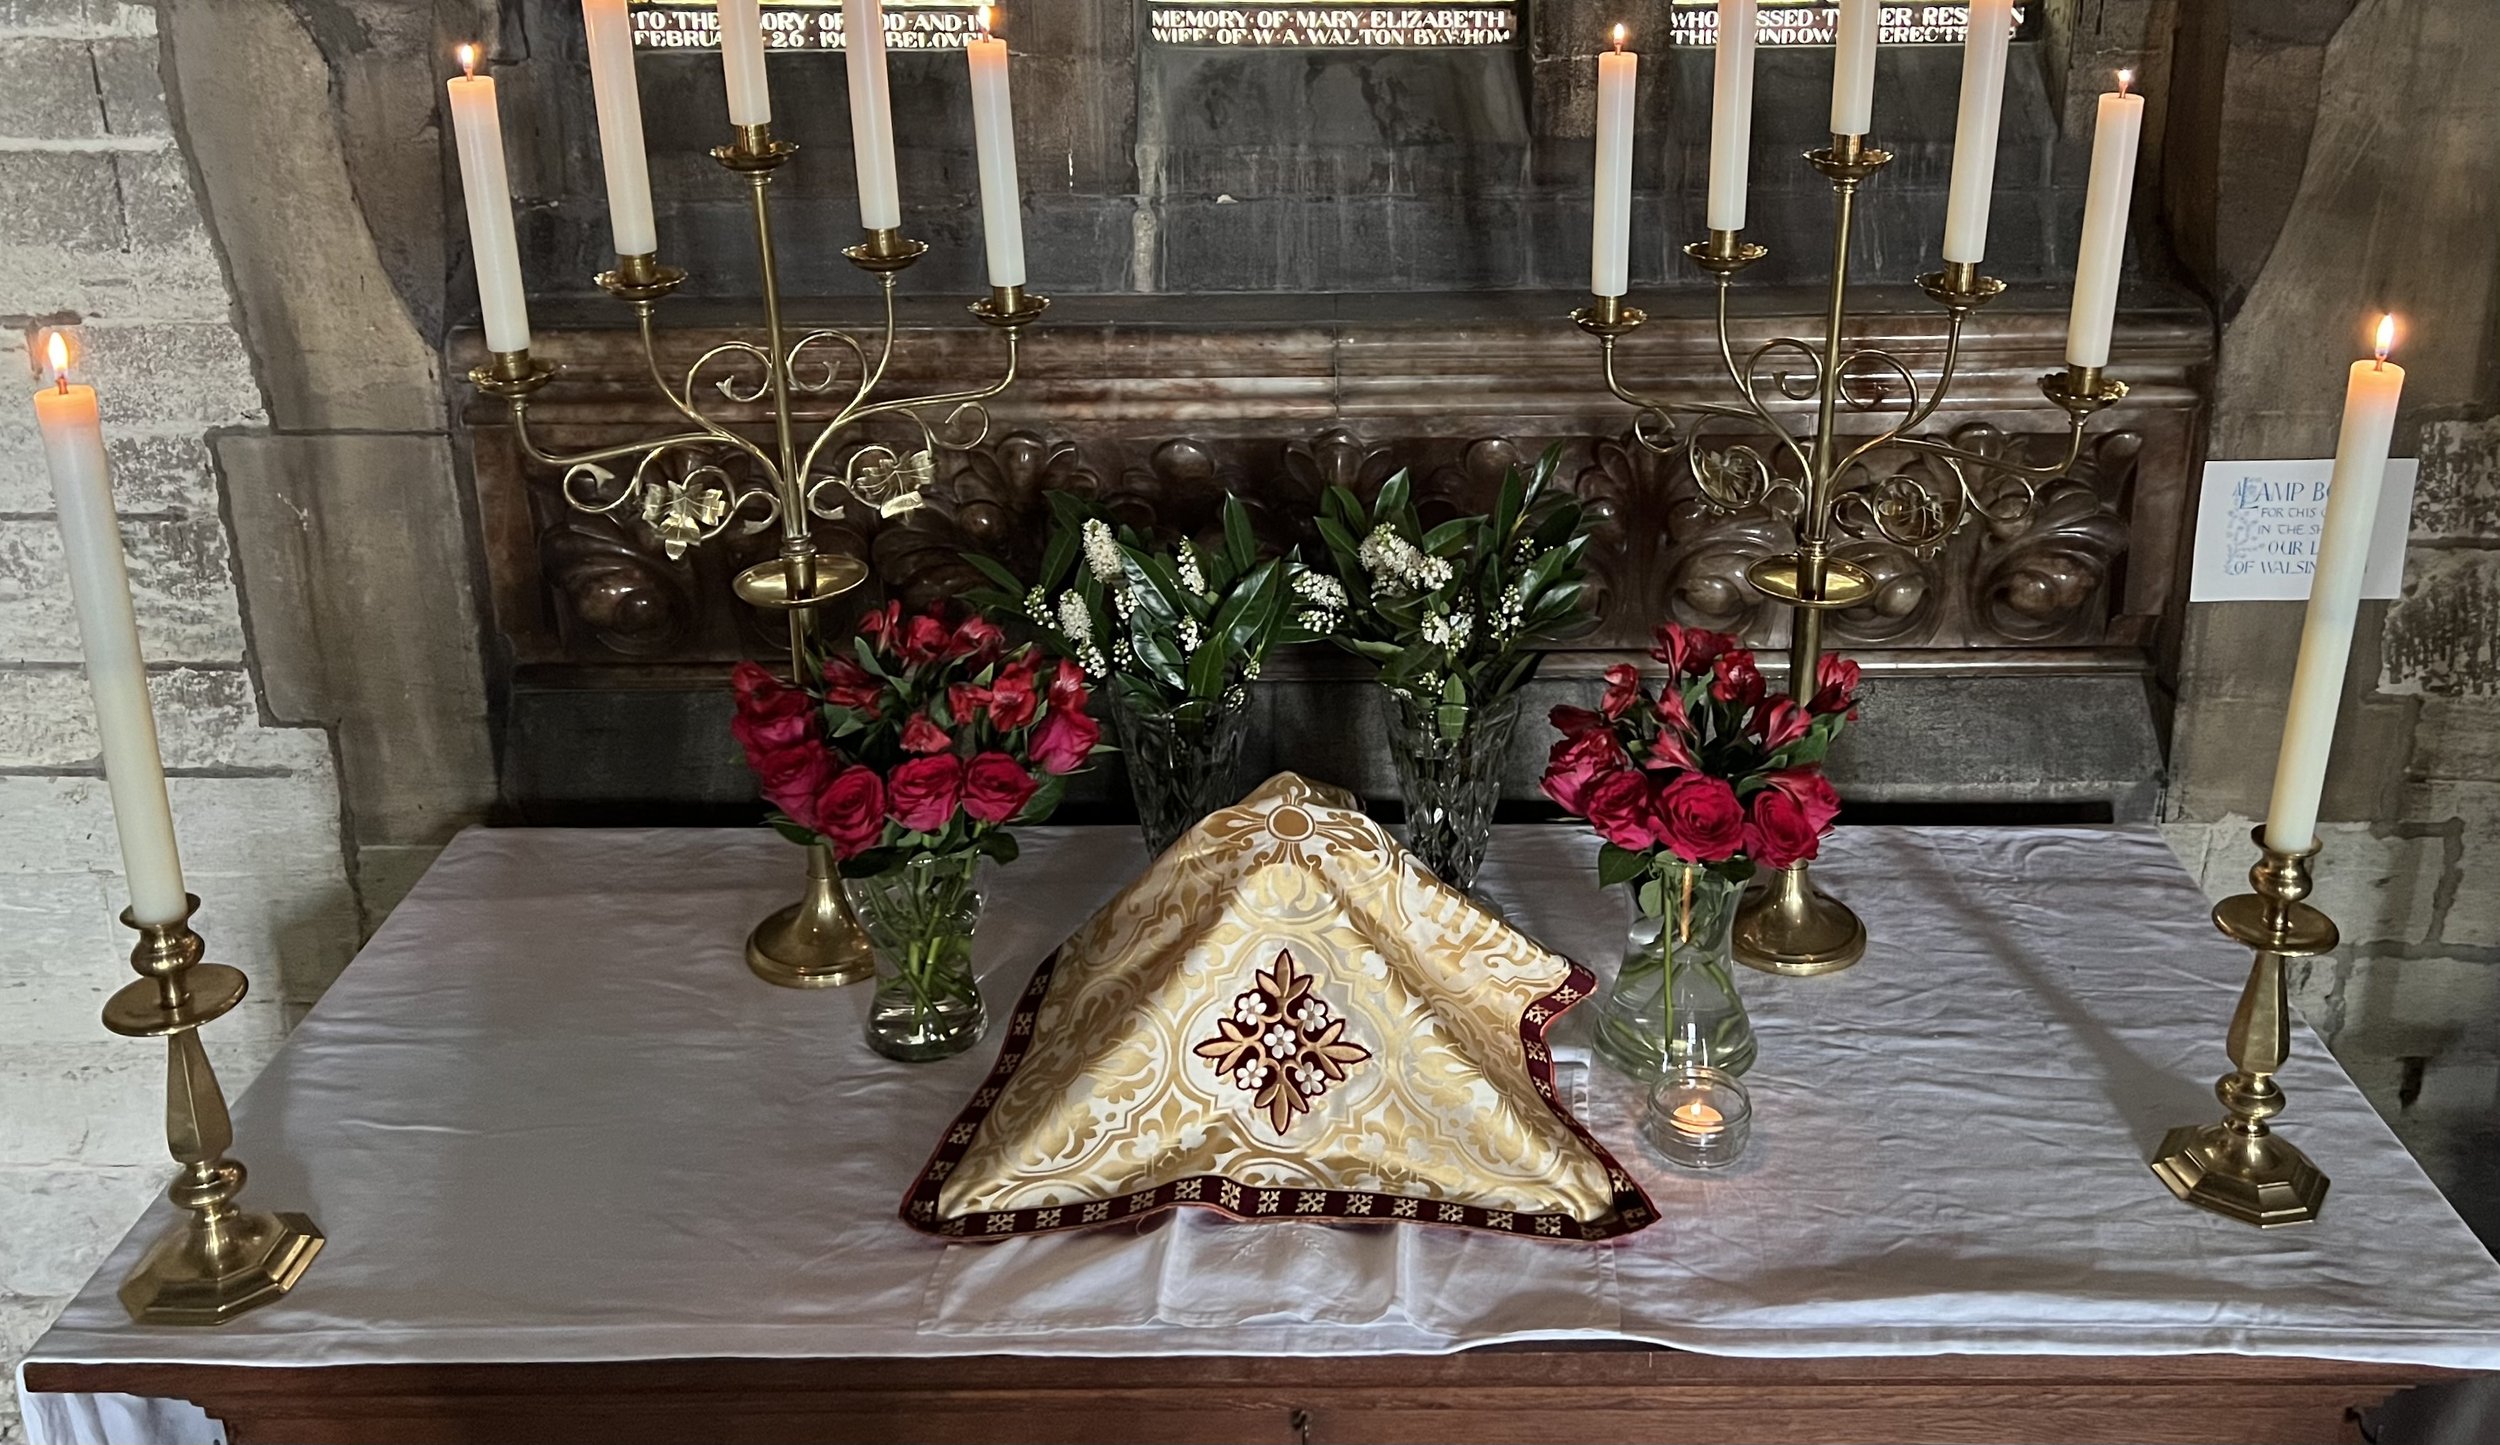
1451, 779
1180, 768
919, 918
1674, 1003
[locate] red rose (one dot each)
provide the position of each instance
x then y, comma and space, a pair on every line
850, 811
1624, 810
1735, 679
978, 639
763, 735
1011, 697
924, 639
923, 736
1065, 740
996, 788
1835, 685
1067, 688
1576, 762
1700, 819
1777, 722
1789, 816
1623, 689
1573, 721
882, 625
762, 695
847, 684
1691, 650
922, 793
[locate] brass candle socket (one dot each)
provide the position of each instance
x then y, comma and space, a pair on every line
1010, 307
883, 252
218, 1261
2081, 391
1608, 317
2239, 1168
640, 279
511, 375
1725, 253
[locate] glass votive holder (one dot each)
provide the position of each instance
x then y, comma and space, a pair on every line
1700, 1117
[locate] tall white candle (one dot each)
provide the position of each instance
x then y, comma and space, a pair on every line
994, 139
477, 128
611, 35
742, 62
108, 631
1731, 115
872, 115
1853, 67
1984, 54
1610, 265
2114, 137
2334, 595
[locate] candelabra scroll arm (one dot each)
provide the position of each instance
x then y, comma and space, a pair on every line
1946, 451
1919, 411
1742, 378
957, 399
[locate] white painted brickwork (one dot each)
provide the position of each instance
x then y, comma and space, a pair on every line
99, 226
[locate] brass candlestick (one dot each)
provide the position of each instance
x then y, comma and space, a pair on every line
219, 1261
1786, 924
2239, 1168
692, 485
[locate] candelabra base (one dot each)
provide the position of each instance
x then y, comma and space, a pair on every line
207, 1270
2255, 1178
815, 942
1788, 926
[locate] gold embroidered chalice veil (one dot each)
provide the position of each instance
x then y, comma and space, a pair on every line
1285, 1017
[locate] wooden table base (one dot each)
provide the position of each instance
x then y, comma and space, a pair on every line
1547, 1393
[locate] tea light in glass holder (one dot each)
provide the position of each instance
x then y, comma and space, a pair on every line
1699, 1118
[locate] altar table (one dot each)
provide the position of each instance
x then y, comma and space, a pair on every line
584, 1178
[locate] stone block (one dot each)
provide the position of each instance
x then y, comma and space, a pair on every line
342, 351
57, 1225
179, 578
293, 935
206, 718
282, 826
128, 82
61, 955
80, 18
2443, 633
160, 207
2422, 1008
354, 552
152, 471
59, 199
2457, 738
177, 282
2468, 814
384, 875
96, 1100
48, 90
154, 375
2458, 496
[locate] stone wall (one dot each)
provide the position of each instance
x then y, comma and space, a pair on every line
2309, 206
101, 228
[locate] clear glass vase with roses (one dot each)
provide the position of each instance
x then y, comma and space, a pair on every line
1693, 785
909, 752
1175, 636
1455, 616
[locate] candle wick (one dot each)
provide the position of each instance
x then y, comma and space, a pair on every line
60, 382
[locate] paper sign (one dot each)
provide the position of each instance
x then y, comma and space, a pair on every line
2257, 531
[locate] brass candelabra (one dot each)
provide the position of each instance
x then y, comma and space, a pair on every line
2239, 1168
1787, 924
218, 1261
692, 485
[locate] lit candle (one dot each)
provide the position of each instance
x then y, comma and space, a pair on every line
1984, 53
1853, 67
742, 62
1731, 115
612, 85
108, 630
994, 138
2334, 595
478, 130
1610, 266
2114, 137
872, 115
1695, 1117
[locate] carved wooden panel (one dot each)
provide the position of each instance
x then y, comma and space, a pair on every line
1159, 425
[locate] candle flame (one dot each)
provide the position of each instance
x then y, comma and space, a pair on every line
984, 21
468, 60
2125, 79
1621, 34
56, 351
2386, 336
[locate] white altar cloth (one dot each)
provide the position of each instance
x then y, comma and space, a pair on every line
549, 1116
